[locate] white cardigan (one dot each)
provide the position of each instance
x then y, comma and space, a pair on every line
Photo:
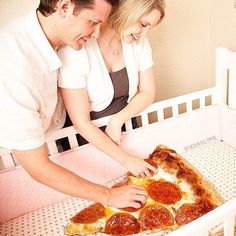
86, 68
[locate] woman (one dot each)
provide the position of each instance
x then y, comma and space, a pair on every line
113, 75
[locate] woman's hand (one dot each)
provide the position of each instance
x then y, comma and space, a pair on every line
138, 167
113, 129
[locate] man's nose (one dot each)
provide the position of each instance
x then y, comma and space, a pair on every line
96, 31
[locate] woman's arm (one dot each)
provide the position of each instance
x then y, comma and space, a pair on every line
77, 105
144, 98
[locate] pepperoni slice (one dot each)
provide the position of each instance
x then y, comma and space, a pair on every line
122, 224
191, 211
164, 192
133, 209
187, 213
89, 214
155, 217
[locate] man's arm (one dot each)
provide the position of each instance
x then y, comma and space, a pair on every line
43, 170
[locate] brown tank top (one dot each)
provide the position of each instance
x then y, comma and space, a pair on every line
120, 83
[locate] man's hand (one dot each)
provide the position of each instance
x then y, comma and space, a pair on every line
127, 196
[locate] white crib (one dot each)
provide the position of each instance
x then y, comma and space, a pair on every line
198, 117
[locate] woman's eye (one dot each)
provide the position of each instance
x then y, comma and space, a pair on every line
143, 25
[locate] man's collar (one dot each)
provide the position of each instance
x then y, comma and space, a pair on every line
41, 42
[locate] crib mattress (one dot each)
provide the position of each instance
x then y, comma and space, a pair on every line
215, 159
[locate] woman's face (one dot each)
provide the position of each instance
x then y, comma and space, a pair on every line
140, 28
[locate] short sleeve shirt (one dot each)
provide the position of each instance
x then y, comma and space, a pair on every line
86, 69
29, 104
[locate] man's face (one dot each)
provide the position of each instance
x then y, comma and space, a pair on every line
85, 24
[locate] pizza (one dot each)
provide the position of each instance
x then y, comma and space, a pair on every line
177, 195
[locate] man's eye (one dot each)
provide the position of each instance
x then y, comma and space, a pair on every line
93, 23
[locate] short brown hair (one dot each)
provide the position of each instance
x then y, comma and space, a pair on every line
47, 7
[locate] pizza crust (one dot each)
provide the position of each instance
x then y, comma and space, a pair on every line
206, 184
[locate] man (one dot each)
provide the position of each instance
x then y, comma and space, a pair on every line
28, 92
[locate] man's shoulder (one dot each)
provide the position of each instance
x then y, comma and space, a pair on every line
15, 37
15, 50
14, 56
14, 43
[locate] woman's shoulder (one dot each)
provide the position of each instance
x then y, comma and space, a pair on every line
67, 53
142, 43
74, 62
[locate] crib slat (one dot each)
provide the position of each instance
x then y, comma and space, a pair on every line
145, 121
52, 147
175, 110
128, 125
6, 161
189, 106
231, 88
202, 102
160, 114
229, 226
17, 163
214, 98
73, 141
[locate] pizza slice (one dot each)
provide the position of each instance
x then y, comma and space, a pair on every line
177, 195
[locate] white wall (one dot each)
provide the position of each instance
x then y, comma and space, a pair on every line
10, 9
181, 48
184, 44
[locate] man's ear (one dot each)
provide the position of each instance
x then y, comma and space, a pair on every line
65, 7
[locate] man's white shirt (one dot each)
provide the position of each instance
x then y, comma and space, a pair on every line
29, 104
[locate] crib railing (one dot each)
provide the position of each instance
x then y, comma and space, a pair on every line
156, 109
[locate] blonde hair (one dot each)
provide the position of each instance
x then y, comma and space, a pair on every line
128, 12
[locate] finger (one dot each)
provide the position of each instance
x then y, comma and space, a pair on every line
135, 188
152, 168
142, 175
139, 191
140, 198
135, 204
147, 173
135, 174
